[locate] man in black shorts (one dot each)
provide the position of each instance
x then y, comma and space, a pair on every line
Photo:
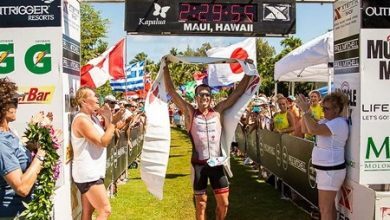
204, 127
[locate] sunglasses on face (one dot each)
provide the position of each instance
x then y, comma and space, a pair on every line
111, 102
203, 95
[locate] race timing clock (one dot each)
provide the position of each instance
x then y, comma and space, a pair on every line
210, 17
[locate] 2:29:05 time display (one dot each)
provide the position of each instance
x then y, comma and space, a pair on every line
214, 12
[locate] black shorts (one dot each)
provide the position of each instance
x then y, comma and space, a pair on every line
84, 187
218, 179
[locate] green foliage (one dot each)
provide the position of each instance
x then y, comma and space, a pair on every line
93, 31
94, 28
249, 197
105, 90
141, 57
41, 205
266, 65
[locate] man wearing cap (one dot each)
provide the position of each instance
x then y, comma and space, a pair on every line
204, 127
111, 101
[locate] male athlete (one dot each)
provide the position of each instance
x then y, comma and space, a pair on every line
204, 127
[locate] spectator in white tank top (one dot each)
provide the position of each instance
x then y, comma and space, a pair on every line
89, 141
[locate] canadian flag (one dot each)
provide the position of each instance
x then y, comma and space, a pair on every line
225, 74
109, 65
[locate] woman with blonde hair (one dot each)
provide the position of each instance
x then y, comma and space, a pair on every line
328, 153
316, 111
284, 119
89, 141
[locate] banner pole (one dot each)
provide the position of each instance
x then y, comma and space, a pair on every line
125, 65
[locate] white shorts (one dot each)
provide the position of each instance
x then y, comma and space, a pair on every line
330, 180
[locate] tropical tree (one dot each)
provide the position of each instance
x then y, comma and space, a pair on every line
94, 28
141, 57
265, 64
289, 45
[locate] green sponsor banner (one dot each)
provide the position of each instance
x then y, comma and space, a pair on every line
286, 156
253, 150
298, 171
37, 59
240, 138
7, 60
270, 151
109, 164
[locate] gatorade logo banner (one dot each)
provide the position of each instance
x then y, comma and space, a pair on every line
37, 58
7, 60
31, 13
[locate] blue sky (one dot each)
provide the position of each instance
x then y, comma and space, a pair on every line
313, 19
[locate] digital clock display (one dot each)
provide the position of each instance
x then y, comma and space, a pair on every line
213, 12
210, 17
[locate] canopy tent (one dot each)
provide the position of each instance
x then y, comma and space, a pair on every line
311, 62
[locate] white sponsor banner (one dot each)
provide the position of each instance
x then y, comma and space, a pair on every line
355, 202
375, 104
67, 199
350, 85
34, 66
346, 18
382, 206
71, 19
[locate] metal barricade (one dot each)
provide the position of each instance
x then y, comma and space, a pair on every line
285, 156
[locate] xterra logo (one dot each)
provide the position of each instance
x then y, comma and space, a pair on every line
346, 199
37, 58
276, 12
345, 9
7, 60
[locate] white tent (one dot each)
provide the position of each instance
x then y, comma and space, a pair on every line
310, 62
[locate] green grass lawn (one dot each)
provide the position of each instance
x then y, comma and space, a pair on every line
249, 198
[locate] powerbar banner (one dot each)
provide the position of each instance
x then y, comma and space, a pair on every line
30, 13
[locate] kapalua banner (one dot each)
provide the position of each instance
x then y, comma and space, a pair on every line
155, 152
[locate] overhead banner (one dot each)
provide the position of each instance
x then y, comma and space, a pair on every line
209, 17
31, 13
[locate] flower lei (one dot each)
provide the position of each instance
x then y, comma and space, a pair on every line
40, 132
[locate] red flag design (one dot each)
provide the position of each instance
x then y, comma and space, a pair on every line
109, 65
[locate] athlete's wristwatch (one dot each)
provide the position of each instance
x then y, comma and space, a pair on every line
41, 158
